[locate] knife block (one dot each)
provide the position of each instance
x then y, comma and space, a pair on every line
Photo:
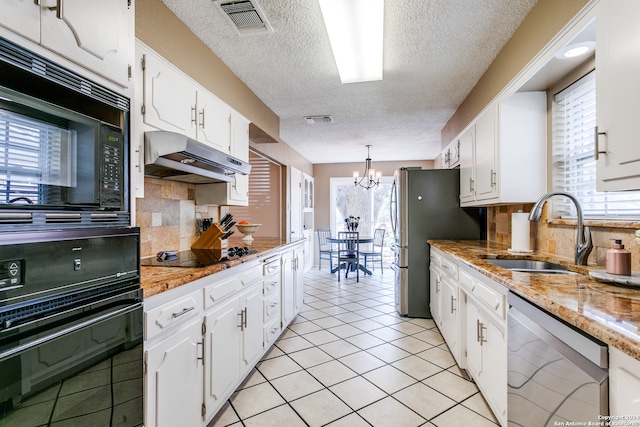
210, 245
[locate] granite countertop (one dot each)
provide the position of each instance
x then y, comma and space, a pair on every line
608, 312
157, 279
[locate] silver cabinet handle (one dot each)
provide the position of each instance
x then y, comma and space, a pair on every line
471, 187
453, 300
183, 312
480, 332
194, 115
202, 118
493, 178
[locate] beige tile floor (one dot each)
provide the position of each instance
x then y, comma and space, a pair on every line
348, 359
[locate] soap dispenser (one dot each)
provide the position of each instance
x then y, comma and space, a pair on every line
618, 259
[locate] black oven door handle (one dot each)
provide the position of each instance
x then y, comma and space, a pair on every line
18, 349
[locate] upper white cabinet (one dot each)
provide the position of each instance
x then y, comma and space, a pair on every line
96, 34
170, 100
617, 92
503, 153
451, 155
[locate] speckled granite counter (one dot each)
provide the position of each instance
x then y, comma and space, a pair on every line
607, 312
159, 279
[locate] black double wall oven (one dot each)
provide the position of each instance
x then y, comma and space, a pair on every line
70, 295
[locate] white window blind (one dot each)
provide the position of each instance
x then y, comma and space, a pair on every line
574, 165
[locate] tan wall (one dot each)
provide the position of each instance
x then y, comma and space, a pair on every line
544, 21
323, 172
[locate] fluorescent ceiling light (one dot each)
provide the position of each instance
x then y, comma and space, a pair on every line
355, 32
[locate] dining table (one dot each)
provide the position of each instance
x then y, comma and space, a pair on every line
345, 265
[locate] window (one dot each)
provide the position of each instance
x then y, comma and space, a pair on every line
574, 165
372, 206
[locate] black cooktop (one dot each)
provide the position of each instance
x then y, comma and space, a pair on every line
189, 259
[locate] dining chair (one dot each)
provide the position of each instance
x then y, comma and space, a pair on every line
326, 249
378, 245
349, 252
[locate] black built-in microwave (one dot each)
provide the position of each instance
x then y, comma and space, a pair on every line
63, 148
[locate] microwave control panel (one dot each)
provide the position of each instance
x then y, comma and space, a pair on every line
112, 168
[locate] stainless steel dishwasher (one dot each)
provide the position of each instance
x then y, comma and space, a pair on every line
556, 373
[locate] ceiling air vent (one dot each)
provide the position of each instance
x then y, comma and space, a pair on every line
245, 15
323, 118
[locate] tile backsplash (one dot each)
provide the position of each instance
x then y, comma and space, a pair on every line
167, 216
559, 238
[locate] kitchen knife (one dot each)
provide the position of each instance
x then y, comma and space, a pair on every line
229, 225
227, 234
225, 218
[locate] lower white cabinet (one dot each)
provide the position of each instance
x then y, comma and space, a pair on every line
484, 335
232, 345
203, 338
173, 383
470, 311
292, 283
444, 300
624, 385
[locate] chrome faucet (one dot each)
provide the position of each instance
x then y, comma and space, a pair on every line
584, 245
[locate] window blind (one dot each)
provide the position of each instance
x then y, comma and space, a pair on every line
34, 153
573, 156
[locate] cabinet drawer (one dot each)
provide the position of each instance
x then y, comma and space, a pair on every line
271, 266
250, 275
217, 291
435, 258
271, 332
271, 307
270, 285
449, 268
172, 314
491, 298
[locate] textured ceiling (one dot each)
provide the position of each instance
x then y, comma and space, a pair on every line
434, 53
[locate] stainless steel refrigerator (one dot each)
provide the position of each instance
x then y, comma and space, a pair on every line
425, 204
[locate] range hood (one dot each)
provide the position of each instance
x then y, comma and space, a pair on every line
177, 157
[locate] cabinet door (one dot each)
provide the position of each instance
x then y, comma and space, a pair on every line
472, 338
169, 97
618, 91
298, 261
288, 304
173, 393
485, 153
467, 184
252, 333
449, 315
97, 34
435, 299
222, 353
494, 371
22, 17
295, 186
214, 122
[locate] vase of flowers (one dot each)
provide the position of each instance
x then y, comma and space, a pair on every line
351, 223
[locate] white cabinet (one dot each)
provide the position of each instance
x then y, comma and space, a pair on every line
292, 283
450, 156
308, 184
617, 93
503, 152
95, 34
624, 384
444, 300
233, 345
295, 204
467, 169
173, 358
485, 342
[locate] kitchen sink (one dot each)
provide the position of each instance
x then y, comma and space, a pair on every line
531, 266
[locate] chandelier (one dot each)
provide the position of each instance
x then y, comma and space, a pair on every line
370, 178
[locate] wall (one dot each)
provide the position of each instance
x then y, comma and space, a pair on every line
166, 216
558, 237
323, 172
